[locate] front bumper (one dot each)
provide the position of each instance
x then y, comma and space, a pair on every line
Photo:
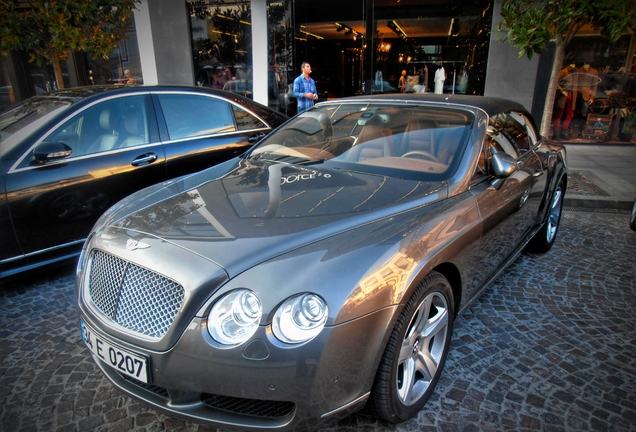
262, 384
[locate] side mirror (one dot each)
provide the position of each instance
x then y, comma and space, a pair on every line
50, 151
502, 165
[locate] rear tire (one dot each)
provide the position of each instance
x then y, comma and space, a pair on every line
544, 238
415, 354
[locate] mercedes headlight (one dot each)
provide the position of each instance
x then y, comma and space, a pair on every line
300, 318
234, 317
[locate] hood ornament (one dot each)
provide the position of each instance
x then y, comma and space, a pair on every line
132, 245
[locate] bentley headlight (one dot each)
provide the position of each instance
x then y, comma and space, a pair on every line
300, 318
234, 318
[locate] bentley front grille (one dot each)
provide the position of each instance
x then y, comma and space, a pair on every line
133, 297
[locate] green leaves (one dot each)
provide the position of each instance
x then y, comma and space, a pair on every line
530, 24
45, 29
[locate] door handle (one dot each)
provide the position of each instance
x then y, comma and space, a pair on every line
144, 159
256, 137
537, 173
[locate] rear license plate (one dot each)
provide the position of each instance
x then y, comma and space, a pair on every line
123, 361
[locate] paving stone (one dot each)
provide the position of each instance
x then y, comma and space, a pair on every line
550, 346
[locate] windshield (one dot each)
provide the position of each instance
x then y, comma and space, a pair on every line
19, 122
395, 139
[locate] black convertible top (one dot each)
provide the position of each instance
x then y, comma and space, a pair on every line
490, 105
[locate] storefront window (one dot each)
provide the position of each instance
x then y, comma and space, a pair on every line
222, 43
123, 65
598, 91
365, 48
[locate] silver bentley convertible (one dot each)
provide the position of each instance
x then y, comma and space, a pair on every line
320, 272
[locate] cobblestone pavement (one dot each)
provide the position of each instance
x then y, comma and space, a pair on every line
551, 346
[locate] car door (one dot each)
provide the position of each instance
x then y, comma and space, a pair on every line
200, 131
508, 206
114, 151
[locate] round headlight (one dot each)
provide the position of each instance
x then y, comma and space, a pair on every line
300, 318
234, 318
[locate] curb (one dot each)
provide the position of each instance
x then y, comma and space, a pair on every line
597, 203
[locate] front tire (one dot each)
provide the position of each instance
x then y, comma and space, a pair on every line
544, 238
415, 354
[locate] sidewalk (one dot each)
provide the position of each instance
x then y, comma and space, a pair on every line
600, 175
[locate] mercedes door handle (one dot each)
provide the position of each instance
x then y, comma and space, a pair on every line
537, 173
144, 159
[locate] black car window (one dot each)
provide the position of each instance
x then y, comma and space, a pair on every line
192, 115
245, 120
109, 125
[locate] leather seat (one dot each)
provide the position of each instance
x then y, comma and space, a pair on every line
419, 135
134, 129
374, 141
108, 122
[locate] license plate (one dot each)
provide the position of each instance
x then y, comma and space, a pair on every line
123, 361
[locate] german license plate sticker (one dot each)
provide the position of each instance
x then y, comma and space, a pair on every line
123, 361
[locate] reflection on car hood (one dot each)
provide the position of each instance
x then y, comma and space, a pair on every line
260, 210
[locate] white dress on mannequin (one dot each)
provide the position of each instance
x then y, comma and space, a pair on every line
440, 77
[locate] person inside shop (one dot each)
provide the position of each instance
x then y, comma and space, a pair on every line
440, 77
402, 82
564, 102
305, 88
130, 79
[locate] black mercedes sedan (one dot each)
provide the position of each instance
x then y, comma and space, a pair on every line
66, 156
321, 271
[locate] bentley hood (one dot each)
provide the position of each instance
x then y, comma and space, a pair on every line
253, 211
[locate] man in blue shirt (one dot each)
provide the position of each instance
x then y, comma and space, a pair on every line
305, 88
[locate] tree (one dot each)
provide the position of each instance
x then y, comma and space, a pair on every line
50, 30
531, 24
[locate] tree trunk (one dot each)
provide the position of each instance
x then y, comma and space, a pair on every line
57, 67
546, 122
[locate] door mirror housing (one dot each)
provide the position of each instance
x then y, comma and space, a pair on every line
51, 151
502, 165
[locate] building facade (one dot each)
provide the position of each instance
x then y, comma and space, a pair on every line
255, 47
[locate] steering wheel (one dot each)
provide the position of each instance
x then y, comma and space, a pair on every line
423, 153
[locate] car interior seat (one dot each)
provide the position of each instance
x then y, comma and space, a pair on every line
448, 141
374, 141
108, 123
134, 129
419, 135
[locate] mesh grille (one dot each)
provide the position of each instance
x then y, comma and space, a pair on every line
133, 297
253, 407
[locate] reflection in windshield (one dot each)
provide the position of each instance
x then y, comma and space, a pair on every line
371, 137
26, 117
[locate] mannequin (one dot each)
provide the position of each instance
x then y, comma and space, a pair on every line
423, 79
440, 77
588, 84
565, 102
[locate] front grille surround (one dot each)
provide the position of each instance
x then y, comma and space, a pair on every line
135, 298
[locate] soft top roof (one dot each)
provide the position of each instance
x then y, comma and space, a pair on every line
490, 105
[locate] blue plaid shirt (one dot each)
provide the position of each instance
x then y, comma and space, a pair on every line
302, 86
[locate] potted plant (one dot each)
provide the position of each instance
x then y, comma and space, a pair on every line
629, 118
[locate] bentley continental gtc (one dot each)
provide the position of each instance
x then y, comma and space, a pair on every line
320, 272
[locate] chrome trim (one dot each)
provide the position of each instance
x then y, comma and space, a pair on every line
82, 157
30, 254
236, 132
348, 405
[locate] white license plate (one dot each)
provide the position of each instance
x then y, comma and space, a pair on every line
123, 361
